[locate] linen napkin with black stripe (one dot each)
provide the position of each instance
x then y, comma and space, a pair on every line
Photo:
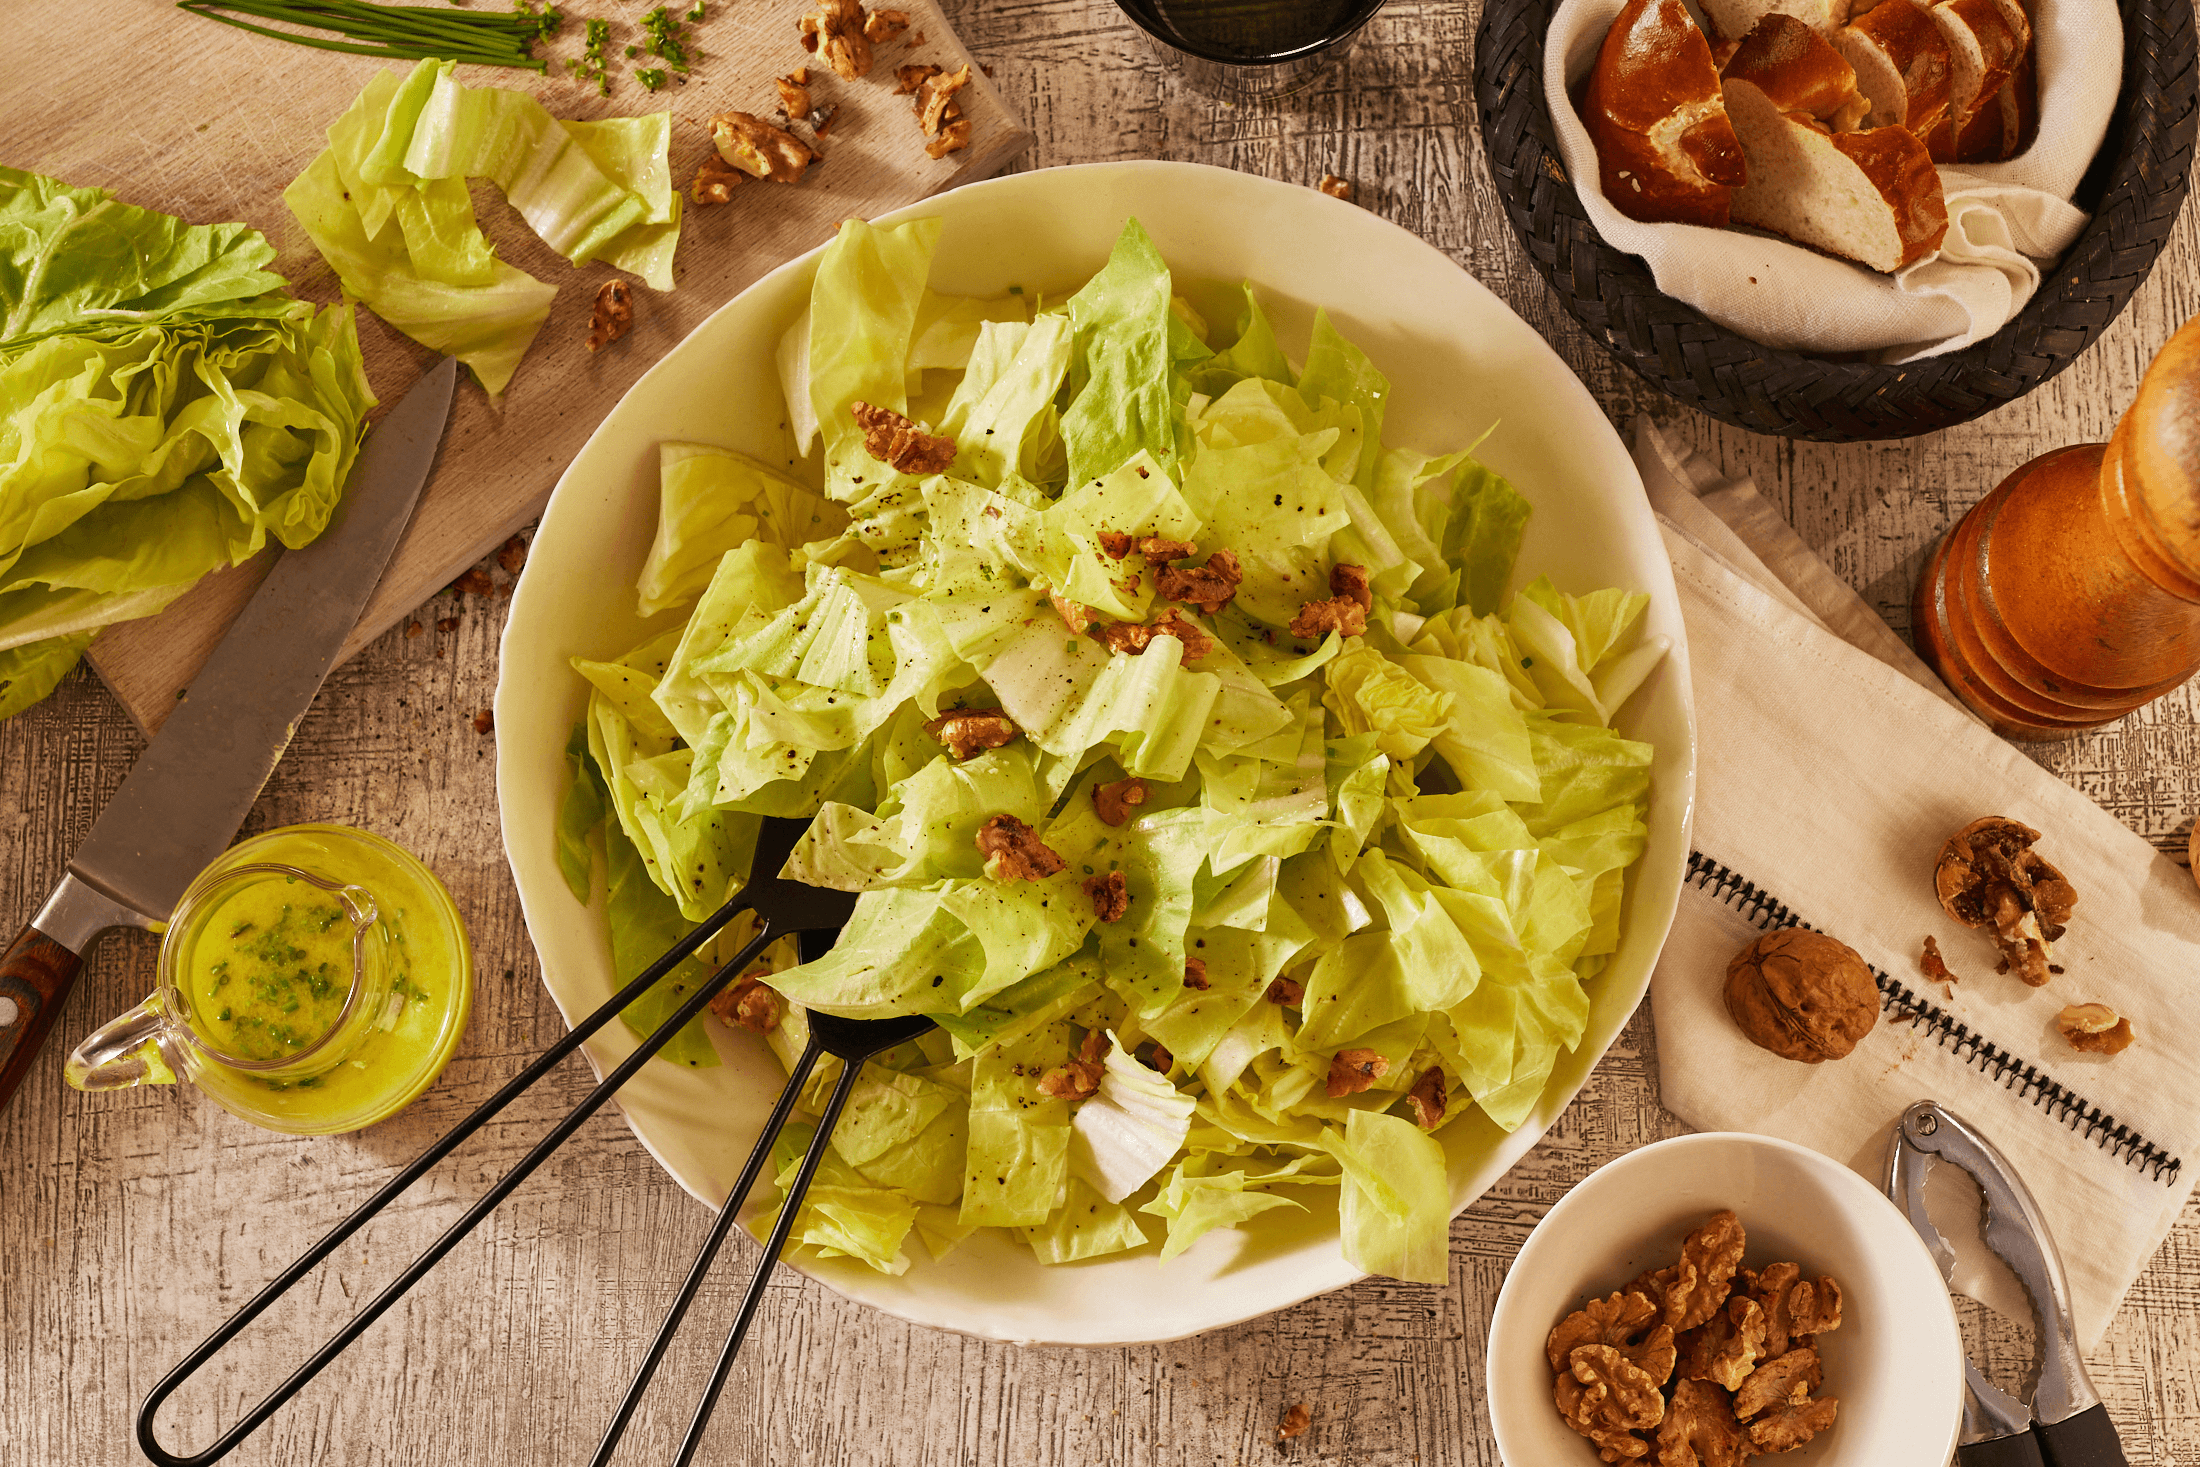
1831, 767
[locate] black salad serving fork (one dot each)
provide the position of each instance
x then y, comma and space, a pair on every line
782, 907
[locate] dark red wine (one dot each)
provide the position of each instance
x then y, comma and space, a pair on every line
1250, 32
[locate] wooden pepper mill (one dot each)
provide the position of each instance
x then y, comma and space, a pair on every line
2071, 594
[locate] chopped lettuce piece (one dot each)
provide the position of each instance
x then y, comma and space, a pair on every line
1086, 1225
386, 204
1130, 1129
842, 1215
1122, 402
1396, 1204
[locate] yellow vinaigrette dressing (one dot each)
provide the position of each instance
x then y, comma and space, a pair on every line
314, 980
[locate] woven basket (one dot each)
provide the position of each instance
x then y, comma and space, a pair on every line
2133, 191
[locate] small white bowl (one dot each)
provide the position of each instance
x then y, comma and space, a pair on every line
1896, 1362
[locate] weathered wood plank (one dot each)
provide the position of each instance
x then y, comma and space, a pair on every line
149, 1214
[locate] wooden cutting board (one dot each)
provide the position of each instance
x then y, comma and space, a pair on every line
213, 123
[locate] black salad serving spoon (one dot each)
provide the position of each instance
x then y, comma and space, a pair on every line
782, 907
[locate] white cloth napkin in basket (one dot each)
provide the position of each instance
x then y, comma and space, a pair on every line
2004, 219
1828, 774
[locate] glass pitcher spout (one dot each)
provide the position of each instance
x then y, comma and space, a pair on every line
123, 1052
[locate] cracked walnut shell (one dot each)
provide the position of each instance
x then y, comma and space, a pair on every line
1988, 875
1802, 995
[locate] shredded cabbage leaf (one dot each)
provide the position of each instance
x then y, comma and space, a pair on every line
1393, 853
386, 203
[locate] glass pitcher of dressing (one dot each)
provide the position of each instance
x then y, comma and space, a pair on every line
314, 979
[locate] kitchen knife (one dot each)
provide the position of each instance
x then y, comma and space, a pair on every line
181, 805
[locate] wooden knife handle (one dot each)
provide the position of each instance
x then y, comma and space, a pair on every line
35, 976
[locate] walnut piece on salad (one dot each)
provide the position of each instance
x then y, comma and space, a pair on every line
970, 731
1110, 897
1210, 587
750, 1004
1114, 802
1345, 612
902, 445
1014, 852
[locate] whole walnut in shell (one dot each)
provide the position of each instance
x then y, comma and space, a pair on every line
1801, 994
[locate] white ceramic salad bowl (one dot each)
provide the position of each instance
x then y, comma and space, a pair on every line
1459, 361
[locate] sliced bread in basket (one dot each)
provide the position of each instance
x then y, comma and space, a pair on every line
1902, 65
1665, 150
1871, 196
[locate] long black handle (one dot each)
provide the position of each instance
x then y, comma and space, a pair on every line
397, 1185
2021, 1450
758, 1155
2087, 1439
788, 1207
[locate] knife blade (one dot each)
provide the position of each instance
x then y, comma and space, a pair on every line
194, 784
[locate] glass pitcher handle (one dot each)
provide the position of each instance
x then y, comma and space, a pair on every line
124, 1051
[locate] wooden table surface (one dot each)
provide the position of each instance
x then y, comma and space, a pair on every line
131, 1222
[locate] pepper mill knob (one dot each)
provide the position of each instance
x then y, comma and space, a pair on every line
2070, 595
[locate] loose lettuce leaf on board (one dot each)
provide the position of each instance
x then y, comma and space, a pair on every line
168, 411
386, 203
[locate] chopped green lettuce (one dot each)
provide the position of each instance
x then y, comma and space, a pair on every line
1410, 841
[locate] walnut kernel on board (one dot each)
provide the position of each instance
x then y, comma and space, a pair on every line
716, 180
613, 315
759, 149
835, 29
1802, 995
2095, 1028
1988, 875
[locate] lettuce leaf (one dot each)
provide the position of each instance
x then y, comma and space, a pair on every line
1130, 1129
1396, 1204
1122, 402
169, 411
842, 1215
386, 204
